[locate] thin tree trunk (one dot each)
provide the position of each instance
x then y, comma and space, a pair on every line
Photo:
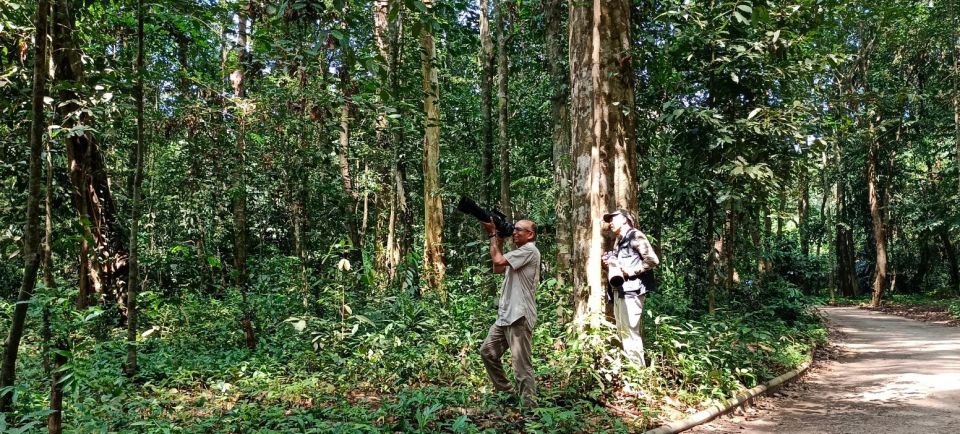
955, 18
846, 274
503, 100
782, 203
134, 280
803, 211
240, 185
951, 254
55, 347
486, 101
604, 152
31, 233
560, 115
728, 254
434, 266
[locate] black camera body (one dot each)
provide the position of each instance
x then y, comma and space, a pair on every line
504, 226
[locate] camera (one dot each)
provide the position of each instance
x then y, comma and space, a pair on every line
614, 273
499, 220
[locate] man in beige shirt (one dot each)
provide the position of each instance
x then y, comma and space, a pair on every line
517, 314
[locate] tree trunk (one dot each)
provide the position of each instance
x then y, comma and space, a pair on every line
602, 128
386, 33
503, 100
31, 232
879, 228
346, 89
58, 346
803, 211
486, 101
915, 286
104, 261
728, 254
846, 273
240, 184
134, 280
951, 255
559, 113
434, 266
782, 203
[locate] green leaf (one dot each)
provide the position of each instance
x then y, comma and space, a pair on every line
745, 8
734, 77
753, 113
740, 18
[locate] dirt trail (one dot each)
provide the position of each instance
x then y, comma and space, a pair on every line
893, 375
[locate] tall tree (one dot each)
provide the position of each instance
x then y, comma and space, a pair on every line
103, 264
238, 77
433, 261
31, 232
602, 128
560, 115
343, 154
503, 104
134, 280
486, 100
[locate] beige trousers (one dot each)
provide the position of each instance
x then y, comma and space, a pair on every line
517, 337
628, 312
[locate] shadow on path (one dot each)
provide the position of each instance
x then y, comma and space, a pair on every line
895, 375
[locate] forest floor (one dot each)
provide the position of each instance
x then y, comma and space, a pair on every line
882, 373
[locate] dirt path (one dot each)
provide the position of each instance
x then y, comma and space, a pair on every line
893, 375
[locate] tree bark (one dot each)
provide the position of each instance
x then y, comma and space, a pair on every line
560, 115
433, 261
31, 233
803, 212
346, 89
782, 203
134, 280
846, 273
602, 128
486, 101
104, 261
951, 254
503, 103
386, 33
876, 215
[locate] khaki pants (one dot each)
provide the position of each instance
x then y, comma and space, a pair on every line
628, 312
517, 337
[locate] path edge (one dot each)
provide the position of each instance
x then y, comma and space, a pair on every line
733, 402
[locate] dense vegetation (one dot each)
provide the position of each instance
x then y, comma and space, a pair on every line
274, 183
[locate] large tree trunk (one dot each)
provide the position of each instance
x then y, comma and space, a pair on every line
386, 34
240, 184
31, 233
879, 228
103, 265
503, 100
434, 266
134, 280
559, 113
486, 101
602, 128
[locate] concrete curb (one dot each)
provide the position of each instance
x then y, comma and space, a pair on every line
725, 406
